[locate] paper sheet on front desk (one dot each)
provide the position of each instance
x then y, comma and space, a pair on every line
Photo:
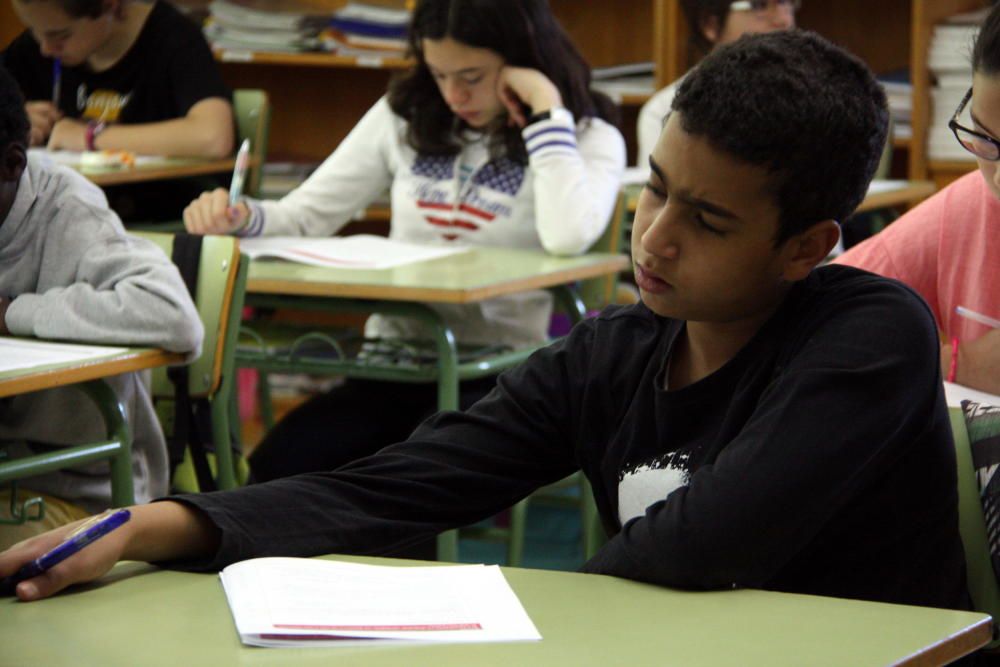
956, 393
19, 353
362, 251
74, 159
307, 602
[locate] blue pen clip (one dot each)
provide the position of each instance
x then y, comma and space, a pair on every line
90, 531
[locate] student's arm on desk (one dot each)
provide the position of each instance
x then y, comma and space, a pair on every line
978, 363
156, 532
114, 289
206, 131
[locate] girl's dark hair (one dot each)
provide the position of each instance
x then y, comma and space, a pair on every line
525, 34
79, 9
698, 13
986, 52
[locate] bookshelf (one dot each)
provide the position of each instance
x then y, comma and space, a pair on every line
927, 13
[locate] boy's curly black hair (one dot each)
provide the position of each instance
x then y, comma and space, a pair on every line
79, 9
14, 124
791, 101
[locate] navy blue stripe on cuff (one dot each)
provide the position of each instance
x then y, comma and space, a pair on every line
567, 144
535, 135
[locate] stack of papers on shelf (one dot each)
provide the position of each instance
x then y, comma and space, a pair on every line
21, 354
265, 25
365, 29
619, 81
282, 602
362, 251
948, 60
899, 93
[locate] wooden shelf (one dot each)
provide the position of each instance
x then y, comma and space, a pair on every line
310, 59
633, 100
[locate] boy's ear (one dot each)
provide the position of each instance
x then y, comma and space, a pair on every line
808, 248
13, 159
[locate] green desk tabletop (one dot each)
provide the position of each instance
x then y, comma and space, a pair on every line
139, 615
479, 273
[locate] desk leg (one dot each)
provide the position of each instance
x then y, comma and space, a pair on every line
122, 490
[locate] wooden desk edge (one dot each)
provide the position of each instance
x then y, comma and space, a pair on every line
436, 295
953, 647
914, 192
161, 172
88, 370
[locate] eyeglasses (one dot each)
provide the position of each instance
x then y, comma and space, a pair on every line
762, 6
981, 145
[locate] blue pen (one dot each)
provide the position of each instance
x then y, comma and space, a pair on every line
83, 536
56, 81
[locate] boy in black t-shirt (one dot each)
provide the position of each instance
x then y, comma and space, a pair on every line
755, 422
122, 75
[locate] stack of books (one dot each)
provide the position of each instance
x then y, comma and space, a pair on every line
285, 26
899, 92
368, 29
948, 60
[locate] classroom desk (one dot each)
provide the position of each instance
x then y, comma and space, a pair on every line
26, 380
160, 170
882, 194
89, 376
147, 168
475, 275
140, 615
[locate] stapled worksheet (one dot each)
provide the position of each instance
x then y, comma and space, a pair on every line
309, 602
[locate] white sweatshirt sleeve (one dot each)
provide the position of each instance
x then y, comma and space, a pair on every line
650, 122
577, 175
355, 174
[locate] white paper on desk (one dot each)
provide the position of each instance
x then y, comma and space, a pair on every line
881, 185
19, 353
308, 602
956, 393
74, 159
362, 251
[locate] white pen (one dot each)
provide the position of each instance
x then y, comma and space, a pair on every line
239, 173
978, 317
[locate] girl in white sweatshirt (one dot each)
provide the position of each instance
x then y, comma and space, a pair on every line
492, 138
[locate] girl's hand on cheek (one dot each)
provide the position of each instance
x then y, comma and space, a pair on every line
520, 86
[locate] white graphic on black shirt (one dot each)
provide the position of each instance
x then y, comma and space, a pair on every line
641, 485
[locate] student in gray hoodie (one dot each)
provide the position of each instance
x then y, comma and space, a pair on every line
68, 271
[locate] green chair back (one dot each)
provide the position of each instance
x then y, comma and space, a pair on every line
222, 273
599, 292
253, 121
982, 580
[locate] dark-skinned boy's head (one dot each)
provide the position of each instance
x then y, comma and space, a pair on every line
811, 114
14, 130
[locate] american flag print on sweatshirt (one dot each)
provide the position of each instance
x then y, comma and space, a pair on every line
471, 211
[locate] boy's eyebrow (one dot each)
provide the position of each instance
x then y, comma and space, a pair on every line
703, 204
980, 124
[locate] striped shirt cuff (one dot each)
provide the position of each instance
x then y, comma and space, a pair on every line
256, 223
553, 135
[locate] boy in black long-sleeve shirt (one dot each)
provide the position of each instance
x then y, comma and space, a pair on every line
755, 422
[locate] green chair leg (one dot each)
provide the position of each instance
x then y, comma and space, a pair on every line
515, 540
